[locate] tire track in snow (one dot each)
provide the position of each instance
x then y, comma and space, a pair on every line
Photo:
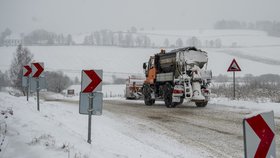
184, 128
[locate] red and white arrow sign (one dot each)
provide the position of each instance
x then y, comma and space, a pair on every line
233, 66
91, 80
26, 70
259, 136
37, 69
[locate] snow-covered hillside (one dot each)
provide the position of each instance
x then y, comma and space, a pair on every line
255, 52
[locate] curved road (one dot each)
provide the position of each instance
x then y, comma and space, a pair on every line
216, 129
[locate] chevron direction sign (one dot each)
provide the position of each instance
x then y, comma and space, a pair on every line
37, 69
26, 70
259, 136
91, 81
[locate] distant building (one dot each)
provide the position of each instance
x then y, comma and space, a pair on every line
13, 40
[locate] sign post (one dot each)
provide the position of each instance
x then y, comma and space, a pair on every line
27, 89
90, 109
37, 69
38, 89
232, 68
259, 136
91, 97
25, 78
233, 85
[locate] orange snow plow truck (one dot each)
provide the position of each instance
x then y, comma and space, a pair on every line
178, 75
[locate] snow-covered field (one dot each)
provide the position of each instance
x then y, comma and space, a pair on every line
256, 54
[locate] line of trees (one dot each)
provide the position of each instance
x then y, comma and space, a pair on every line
194, 42
43, 37
120, 38
129, 38
133, 39
271, 27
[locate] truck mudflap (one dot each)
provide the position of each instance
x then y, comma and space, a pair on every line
178, 93
206, 93
176, 99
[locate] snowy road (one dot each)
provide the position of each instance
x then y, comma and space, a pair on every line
216, 129
126, 129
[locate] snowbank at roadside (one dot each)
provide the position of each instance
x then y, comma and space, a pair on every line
256, 106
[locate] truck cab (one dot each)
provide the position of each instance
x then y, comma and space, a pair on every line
150, 70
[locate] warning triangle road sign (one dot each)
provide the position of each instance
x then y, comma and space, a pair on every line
233, 66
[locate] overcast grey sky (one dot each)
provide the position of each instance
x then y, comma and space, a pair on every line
74, 16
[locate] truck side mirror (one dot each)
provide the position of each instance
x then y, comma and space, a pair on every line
144, 66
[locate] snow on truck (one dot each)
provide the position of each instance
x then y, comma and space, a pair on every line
178, 75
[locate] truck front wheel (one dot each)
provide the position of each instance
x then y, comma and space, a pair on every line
147, 95
149, 101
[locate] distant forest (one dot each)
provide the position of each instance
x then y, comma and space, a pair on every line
131, 37
271, 27
105, 37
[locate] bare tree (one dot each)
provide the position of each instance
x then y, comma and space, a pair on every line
194, 41
179, 42
77, 81
147, 41
57, 81
128, 40
3, 35
4, 81
166, 43
69, 39
22, 57
133, 29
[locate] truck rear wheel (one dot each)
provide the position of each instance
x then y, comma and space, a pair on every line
168, 96
201, 104
168, 100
